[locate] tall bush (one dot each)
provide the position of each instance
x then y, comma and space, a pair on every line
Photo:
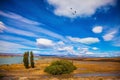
32, 59
26, 59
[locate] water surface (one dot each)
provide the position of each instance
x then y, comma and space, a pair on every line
12, 60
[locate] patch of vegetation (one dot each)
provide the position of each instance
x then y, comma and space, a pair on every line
26, 60
60, 67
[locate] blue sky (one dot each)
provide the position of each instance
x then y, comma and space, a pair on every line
60, 27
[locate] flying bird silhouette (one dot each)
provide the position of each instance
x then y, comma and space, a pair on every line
73, 12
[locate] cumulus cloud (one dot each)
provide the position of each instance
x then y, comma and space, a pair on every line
95, 48
97, 29
2, 27
109, 36
44, 43
88, 40
82, 8
62, 48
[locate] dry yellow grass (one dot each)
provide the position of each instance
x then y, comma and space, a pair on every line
82, 67
87, 67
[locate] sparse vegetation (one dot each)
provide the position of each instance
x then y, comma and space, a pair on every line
60, 67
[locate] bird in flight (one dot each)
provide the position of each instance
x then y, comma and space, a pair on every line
73, 12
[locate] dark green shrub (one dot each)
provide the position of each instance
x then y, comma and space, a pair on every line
26, 60
32, 59
60, 67
54, 70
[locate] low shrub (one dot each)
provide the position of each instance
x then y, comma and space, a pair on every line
60, 67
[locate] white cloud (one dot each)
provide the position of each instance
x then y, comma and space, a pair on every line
36, 29
44, 43
79, 48
16, 31
95, 48
60, 43
49, 33
97, 29
9, 47
66, 48
18, 17
61, 48
20, 40
109, 36
88, 40
85, 51
20, 32
2, 27
89, 52
82, 8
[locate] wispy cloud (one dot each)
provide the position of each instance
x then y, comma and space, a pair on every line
21, 32
18, 40
50, 33
88, 40
39, 30
8, 47
18, 17
17, 31
2, 27
116, 42
89, 52
110, 35
75, 8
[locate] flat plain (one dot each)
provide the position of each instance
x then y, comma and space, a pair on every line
87, 69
